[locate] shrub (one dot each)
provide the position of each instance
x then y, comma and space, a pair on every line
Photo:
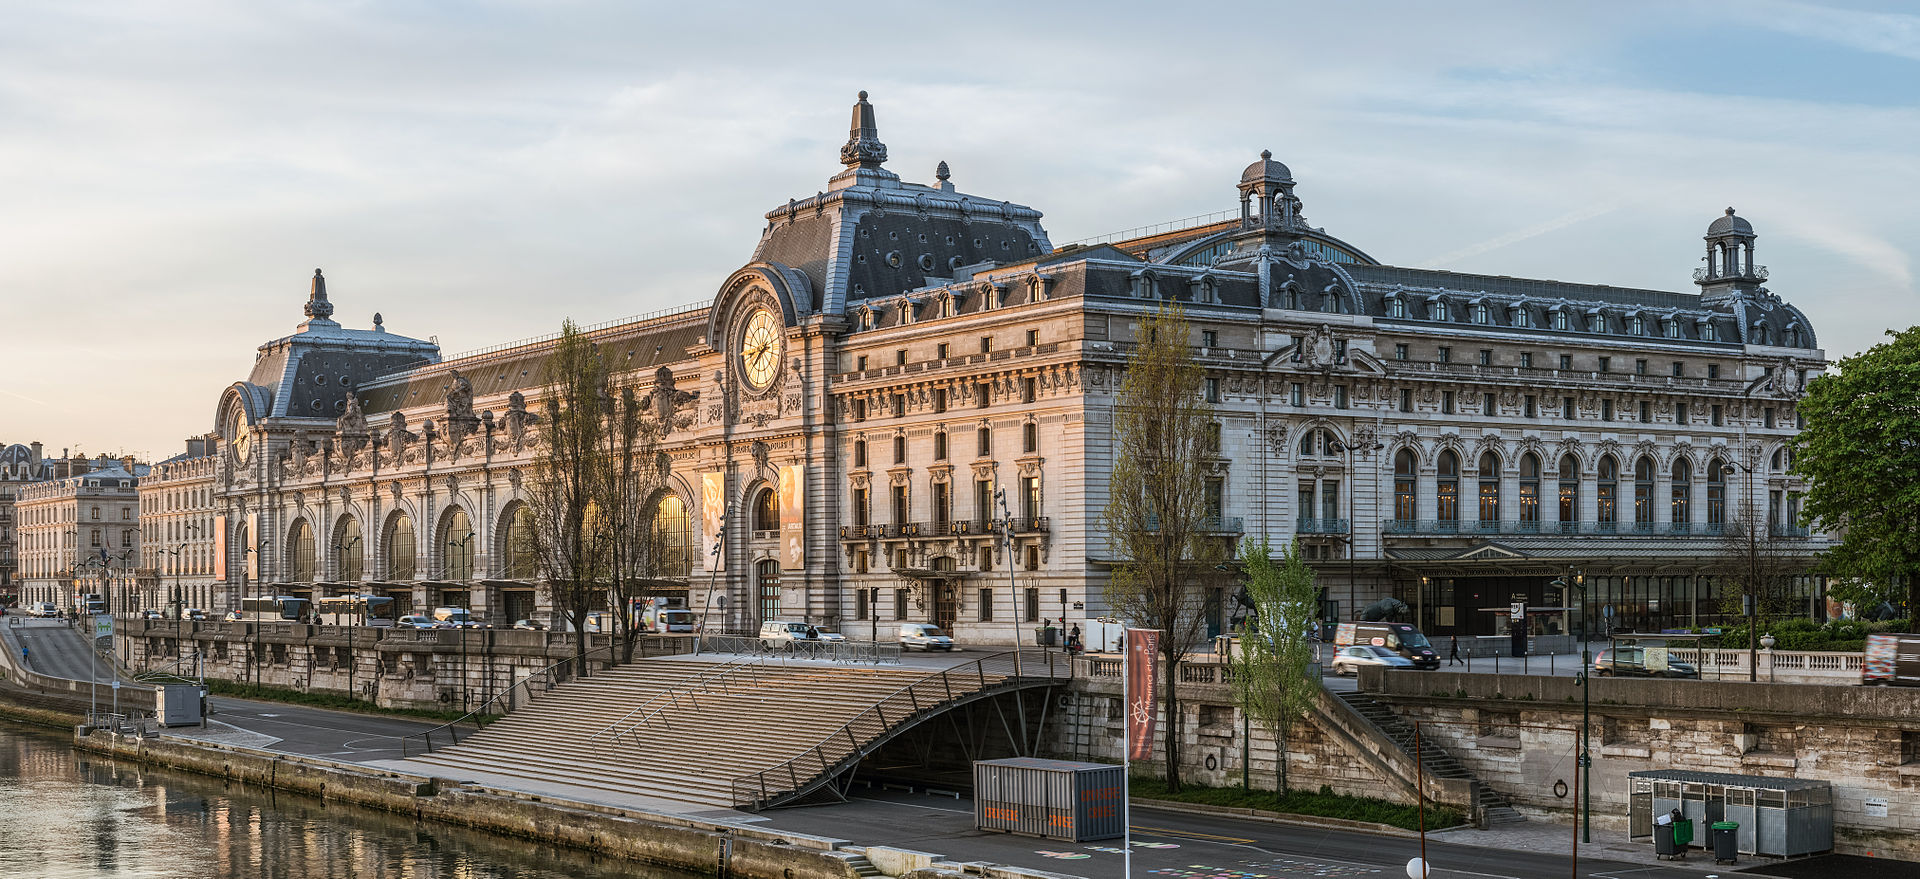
1324, 803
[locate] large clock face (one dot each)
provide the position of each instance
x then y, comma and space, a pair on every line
760, 349
242, 444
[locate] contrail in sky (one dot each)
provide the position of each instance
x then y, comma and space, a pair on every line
1561, 222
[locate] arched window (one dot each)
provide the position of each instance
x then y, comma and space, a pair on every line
1643, 494
1608, 495
1403, 471
859, 454
1569, 493
1682, 494
1716, 496
348, 551
766, 510
1529, 492
1522, 317
1446, 496
300, 553
674, 537
241, 543
1309, 445
457, 542
1396, 306
516, 548
400, 549
1489, 490
1482, 314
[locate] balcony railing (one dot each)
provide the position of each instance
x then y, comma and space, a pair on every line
1780, 530
1030, 525
861, 532
1637, 529
1321, 526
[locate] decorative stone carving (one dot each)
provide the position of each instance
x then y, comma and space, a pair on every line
1316, 347
760, 454
667, 399
398, 438
1277, 439
517, 419
352, 427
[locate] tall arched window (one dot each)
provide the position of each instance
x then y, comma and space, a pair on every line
1403, 501
1529, 492
516, 546
1682, 495
675, 532
1608, 495
347, 548
457, 542
401, 551
766, 510
1716, 496
300, 553
1446, 495
1489, 491
1643, 494
1569, 493
238, 554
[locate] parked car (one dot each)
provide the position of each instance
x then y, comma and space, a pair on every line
1632, 662
233, 616
417, 621
194, 613
779, 634
1349, 659
458, 618
828, 635
530, 625
150, 615
923, 636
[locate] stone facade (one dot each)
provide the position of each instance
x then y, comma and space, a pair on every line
86, 520
900, 409
176, 532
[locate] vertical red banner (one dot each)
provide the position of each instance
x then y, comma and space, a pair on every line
1143, 691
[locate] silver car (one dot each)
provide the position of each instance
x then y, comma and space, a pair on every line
923, 636
1350, 658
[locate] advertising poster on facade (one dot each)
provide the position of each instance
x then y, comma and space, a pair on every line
252, 547
1143, 691
713, 506
220, 548
793, 527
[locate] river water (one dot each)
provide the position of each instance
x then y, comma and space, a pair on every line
67, 814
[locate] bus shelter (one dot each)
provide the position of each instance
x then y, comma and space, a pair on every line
1778, 817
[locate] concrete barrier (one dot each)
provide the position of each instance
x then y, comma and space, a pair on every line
1891, 703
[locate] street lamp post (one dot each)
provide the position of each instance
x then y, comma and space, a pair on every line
1006, 534
1751, 594
466, 606
1577, 581
1353, 581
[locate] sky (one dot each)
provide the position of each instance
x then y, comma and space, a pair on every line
172, 172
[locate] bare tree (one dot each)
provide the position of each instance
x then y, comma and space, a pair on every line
1757, 572
1156, 517
627, 491
1275, 678
570, 533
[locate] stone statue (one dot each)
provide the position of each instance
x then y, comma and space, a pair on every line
668, 399
459, 398
352, 428
398, 437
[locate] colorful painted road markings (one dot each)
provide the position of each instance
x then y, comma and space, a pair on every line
1063, 856
1278, 868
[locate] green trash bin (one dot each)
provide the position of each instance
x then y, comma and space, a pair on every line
1725, 838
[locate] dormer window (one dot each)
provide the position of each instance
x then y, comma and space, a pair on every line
1596, 322
1482, 314
1672, 327
1396, 306
1438, 310
1559, 319
1522, 317
1708, 333
1636, 326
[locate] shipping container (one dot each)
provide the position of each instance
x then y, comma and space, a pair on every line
1053, 799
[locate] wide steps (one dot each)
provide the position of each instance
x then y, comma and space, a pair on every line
586, 732
1495, 808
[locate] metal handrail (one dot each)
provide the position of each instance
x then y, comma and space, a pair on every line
548, 680
753, 790
876, 652
671, 695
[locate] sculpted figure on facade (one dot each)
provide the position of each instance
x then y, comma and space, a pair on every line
667, 401
517, 419
398, 438
461, 422
352, 431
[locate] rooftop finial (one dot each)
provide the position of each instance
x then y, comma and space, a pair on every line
1729, 211
379, 326
941, 174
317, 305
863, 138
1266, 154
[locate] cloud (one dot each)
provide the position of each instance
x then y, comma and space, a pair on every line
1887, 33
1570, 218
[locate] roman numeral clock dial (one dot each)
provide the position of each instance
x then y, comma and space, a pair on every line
760, 349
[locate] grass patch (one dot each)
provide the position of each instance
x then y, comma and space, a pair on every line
334, 701
1323, 803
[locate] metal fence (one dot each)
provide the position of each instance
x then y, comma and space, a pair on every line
852, 652
529, 689
854, 740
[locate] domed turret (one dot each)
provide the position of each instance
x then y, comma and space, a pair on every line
1729, 254
1266, 170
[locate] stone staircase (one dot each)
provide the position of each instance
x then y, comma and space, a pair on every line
764, 735
1493, 806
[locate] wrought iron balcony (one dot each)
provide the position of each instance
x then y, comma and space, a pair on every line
1321, 526
1430, 527
861, 532
1778, 529
1222, 525
1030, 525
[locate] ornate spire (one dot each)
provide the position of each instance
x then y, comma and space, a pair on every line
863, 148
317, 304
944, 177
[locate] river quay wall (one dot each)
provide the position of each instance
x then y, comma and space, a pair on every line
663, 840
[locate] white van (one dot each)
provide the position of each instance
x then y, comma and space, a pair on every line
457, 617
778, 634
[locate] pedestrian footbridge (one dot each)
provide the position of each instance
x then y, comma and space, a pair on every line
748, 732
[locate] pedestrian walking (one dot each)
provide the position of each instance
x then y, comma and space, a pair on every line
23, 655
1453, 651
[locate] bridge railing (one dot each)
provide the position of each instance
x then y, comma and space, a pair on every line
907, 703
874, 652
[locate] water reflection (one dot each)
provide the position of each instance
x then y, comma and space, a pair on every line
65, 814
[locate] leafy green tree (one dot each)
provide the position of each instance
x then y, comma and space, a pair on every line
1860, 453
1275, 678
1157, 519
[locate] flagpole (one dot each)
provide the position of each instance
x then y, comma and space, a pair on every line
1126, 753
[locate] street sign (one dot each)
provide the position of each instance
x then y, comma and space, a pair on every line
1517, 612
102, 625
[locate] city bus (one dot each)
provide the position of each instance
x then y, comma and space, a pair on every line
273, 608
355, 610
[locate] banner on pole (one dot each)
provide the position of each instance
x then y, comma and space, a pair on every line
1143, 690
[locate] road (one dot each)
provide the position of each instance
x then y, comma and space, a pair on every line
1186, 846
55, 649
